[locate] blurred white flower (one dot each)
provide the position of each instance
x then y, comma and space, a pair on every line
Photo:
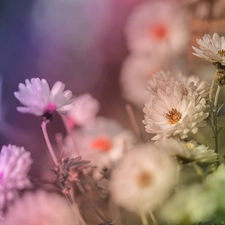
172, 112
39, 100
14, 166
187, 151
135, 72
103, 142
84, 110
143, 179
190, 205
211, 48
40, 208
155, 28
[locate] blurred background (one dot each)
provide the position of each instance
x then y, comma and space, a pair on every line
81, 43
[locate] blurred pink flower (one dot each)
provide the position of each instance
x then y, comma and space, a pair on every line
83, 111
40, 208
14, 166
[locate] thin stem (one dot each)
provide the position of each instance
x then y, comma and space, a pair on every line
134, 123
153, 218
52, 153
215, 120
69, 132
75, 209
212, 87
144, 219
217, 96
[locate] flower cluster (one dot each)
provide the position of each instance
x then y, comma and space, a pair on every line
175, 108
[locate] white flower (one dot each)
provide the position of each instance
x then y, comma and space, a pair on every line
191, 85
84, 110
14, 166
174, 113
211, 48
40, 208
190, 205
143, 179
103, 142
155, 27
135, 72
39, 100
187, 151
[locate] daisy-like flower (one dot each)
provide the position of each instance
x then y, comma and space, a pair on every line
155, 28
190, 85
14, 166
135, 72
83, 111
187, 151
103, 142
143, 179
39, 100
40, 208
211, 48
172, 111
200, 206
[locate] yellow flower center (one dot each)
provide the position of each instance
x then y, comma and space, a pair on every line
173, 116
144, 179
221, 52
190, 146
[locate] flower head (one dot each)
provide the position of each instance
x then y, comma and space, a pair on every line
84, 110
173, 109
40, 208
211, 48
143, 179
190, 85
155, 28
39, 100
14, 166
102, 141
187, 151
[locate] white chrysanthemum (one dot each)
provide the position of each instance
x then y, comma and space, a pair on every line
191, 85
143, 179
103, 142
155, 27
135, 72
211, 48
205, 9
39, 100
187, 151
173, 113
14, 166
84, 110
40, 208
190, 205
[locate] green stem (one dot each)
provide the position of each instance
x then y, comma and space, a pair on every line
215, 120
212, 87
